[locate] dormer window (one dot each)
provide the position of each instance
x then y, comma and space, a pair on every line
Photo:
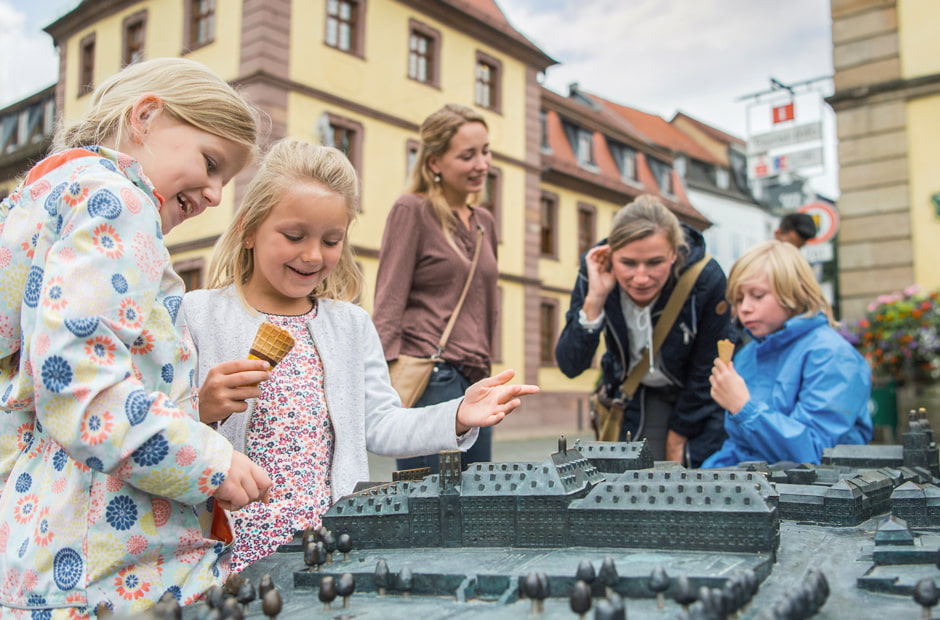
625, 158
582, 143
722, 178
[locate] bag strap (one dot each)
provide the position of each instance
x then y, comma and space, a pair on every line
664, 325
463, 294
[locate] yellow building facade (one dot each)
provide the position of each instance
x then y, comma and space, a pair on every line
362, 75
887, 103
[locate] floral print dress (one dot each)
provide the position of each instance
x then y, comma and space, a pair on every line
106, 473
290, 436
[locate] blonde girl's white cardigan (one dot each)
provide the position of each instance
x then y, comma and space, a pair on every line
364, 408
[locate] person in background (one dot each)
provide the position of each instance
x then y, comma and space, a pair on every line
285, 259
425, 258
798, 387
109, 478
796, 229
623, 285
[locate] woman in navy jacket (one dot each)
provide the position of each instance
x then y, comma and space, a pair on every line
622, 288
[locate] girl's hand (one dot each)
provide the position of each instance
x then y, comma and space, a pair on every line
488, 401
728, 388
227, 387
244, 483
601, 280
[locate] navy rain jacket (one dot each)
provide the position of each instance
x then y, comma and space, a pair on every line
686, 356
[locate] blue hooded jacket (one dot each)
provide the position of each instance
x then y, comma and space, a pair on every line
809, 391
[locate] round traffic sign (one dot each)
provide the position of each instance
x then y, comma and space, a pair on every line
826, 218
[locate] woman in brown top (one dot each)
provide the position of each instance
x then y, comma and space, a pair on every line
425, 259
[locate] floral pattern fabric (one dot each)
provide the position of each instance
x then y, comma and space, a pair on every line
106, 474
290, 436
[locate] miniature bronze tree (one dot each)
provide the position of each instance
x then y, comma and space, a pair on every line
345, 586
380, 577
926, 595
329, 541
585, 572
532, 589
310, 535
327, 591
246, 593
405, 582
231, 610
608, 576
233, 583
344, 545
215, 596
580, 598
685, 594
265, 585
659, 583
271, 603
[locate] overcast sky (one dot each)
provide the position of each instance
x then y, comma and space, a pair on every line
660, 56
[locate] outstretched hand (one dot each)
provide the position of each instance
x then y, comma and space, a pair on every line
228, 386
489, 400
728, 388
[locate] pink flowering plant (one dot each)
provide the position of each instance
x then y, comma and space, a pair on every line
900, 335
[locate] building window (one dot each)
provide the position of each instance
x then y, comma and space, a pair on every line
587, 217
86, 70
722, 178
543, 122
625, 158
486, 92
548, 225
411, 155
191, 272
345, 25
548, 325
424, 53
200, 23
346, 135
582, 143
135, 27
662, 172
491, 197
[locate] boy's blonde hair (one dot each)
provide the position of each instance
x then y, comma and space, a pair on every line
789, 275
287, 163
190, 93
436, 133
643, 217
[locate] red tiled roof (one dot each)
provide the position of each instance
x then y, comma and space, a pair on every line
489, 12
563, 160
715, 134
658, 130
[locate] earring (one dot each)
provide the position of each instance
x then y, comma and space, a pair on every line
437, 178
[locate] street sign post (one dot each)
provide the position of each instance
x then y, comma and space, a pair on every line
826, 218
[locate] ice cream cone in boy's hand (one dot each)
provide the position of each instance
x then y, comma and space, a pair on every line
271, 344
725, 350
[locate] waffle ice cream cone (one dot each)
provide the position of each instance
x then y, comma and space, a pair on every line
725, 350
271, 344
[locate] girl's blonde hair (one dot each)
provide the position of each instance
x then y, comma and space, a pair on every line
789, 275
287, 163
436, 133
190, 93
643, 217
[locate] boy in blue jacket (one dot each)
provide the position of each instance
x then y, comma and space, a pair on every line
797, 387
